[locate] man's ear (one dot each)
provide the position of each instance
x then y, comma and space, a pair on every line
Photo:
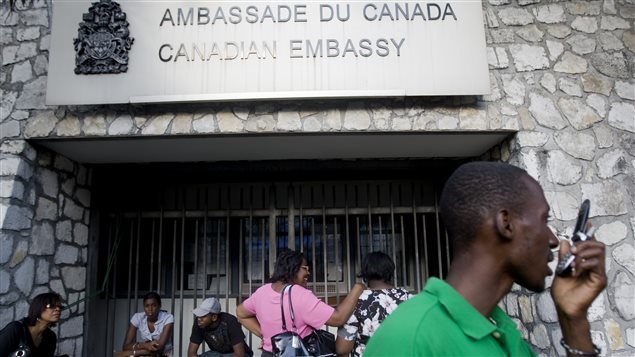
503, 222
214, 317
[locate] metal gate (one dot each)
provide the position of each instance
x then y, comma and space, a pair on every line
196, 241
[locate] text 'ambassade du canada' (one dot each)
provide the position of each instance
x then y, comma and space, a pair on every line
279, 15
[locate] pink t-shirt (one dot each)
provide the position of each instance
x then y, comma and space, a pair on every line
310, 312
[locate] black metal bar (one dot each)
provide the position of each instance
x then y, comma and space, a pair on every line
301, 219
159, 280
404, 273
182, 274
240, 256
110, 322
240, 259
369, 226
136, 269
152, 243
218, 238
205, 230
264, 212
262, 250
416, 237
392, 228
130, 250
382, 241
273, 241
173, 292
250, 260
291, 217
349, 276
425, 246
196, 269
314, 275
337, 260
205, 286
358, 260
324, 246
228, 270
438, 238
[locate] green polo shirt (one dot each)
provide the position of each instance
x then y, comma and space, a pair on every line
440, 322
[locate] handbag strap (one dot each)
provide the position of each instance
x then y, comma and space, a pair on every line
291, 310
23, 338
284, 322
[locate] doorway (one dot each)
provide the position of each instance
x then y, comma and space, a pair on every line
194, 231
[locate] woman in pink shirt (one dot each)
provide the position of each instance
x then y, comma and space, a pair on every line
260, 313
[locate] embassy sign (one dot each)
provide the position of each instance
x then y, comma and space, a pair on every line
178, 51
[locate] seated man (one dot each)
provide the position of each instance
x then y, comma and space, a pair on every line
221, 331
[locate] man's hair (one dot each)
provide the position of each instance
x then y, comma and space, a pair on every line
287, 266
38, 305
152, 295
377, 266
474, 191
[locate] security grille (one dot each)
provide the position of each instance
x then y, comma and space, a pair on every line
189, 242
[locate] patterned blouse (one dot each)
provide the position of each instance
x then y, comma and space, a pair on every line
372, 308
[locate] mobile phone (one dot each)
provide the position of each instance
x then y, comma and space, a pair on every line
579, 234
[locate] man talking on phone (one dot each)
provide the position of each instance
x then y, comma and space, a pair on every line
496, 218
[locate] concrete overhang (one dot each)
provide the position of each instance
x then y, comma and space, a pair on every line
257, 147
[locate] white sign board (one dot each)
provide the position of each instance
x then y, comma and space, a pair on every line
234, 50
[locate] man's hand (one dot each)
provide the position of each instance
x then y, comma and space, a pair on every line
574, 294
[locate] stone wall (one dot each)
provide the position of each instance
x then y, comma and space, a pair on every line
44, 216
568, 66
562, 76
44, 197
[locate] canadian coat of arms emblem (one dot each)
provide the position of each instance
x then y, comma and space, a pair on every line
103, 40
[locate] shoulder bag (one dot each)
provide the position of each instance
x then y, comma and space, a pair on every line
289, 343
23, 348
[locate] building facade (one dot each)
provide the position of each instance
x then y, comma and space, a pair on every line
141, 183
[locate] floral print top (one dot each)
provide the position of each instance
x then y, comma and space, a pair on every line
372, 308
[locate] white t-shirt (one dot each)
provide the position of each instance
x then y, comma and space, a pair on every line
140, 321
